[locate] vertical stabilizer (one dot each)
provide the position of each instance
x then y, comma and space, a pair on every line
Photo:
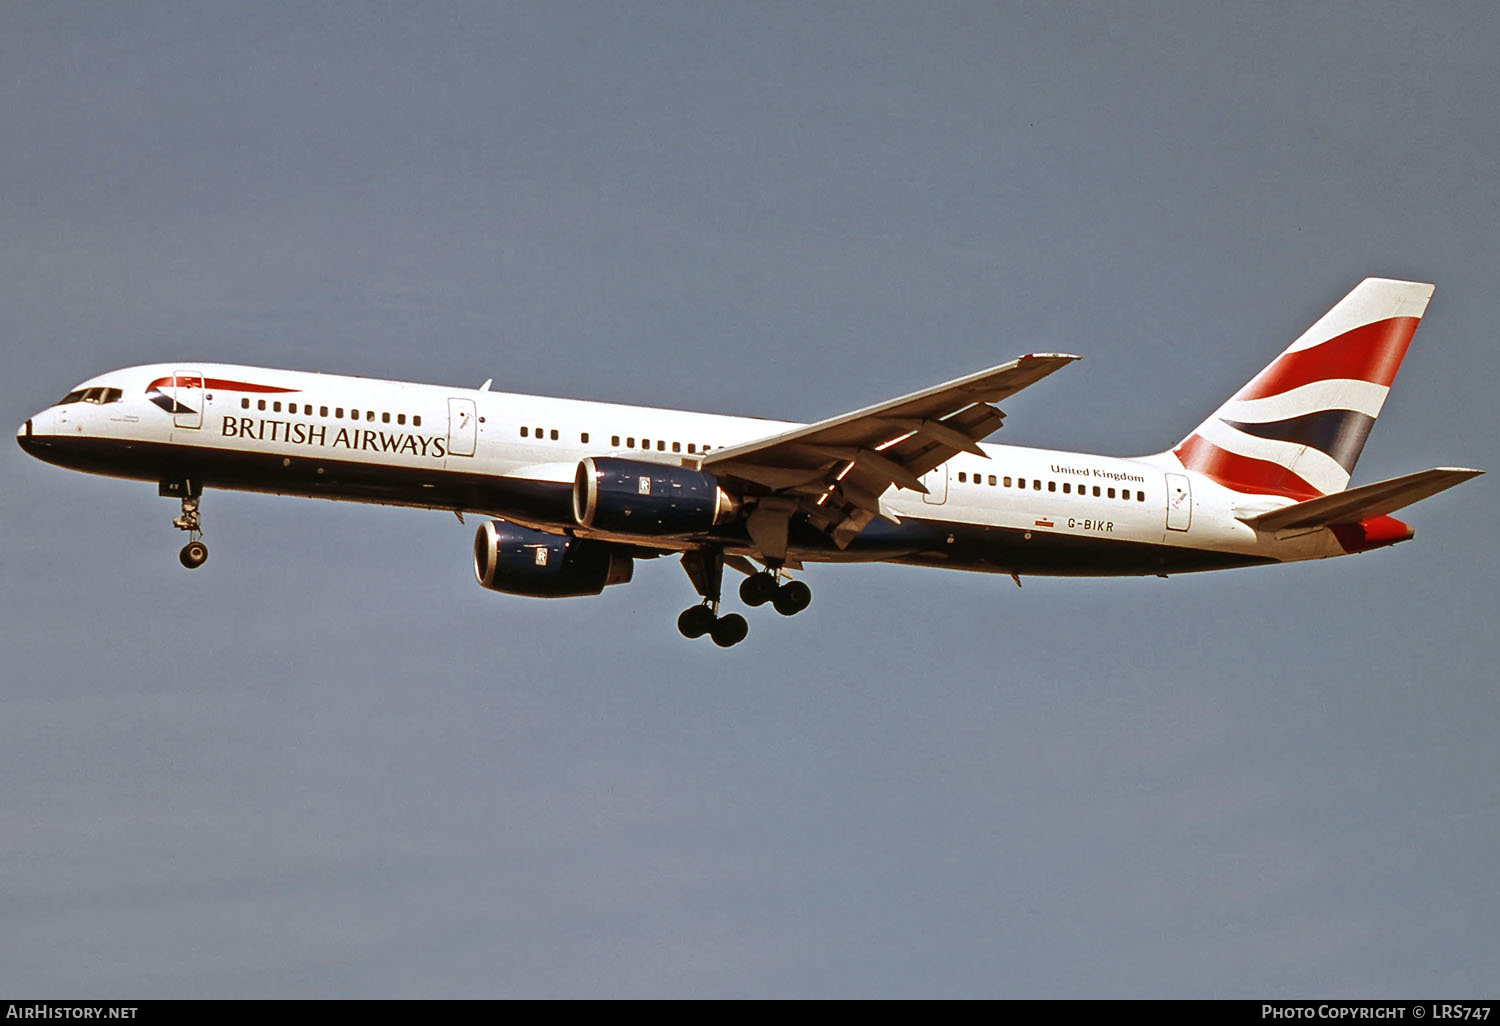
1298, 427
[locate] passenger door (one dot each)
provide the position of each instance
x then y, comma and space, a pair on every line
187, 395
936, 481
463, 427
1179, 503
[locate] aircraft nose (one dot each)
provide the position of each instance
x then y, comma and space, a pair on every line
26, 437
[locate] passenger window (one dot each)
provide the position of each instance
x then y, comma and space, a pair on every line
385, 418
961, 477
338, 412
1051, 486
1067, 487
629, 443
645, 443
370, 415
1140, 496
1096, 491
661, 446
584, 438
1036, 484
1110, 493
416, 420
244, 404
992, 480
322, 411
276, 407
554, 434
524, 430
260, 404
1005, 481
676, 446
400, 418
614, 441
692, 447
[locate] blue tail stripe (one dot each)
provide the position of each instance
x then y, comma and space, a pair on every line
1339, 433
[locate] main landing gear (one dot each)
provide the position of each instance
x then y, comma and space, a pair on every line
194, 554
787, 597
706, 569
697, 621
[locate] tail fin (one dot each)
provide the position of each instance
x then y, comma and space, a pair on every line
1298, 427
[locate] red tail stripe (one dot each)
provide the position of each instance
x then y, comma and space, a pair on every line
187, 381
1242, 473
1371, 352
1371, 534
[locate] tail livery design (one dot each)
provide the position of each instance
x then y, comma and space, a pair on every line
1298, 427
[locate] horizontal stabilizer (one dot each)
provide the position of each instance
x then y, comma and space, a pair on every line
1362, 503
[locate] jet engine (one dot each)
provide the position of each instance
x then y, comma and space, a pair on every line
520, 561
635, 497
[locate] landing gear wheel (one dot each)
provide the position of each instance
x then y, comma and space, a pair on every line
791, 598
758, 589
729, 630
695, 621
193, 554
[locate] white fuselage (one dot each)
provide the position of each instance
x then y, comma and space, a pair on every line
515, 456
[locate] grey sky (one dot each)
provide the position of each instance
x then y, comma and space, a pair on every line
329, 764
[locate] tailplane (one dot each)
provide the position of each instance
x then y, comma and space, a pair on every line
1299, 426
1363, 503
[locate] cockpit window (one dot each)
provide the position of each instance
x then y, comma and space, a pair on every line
97, 396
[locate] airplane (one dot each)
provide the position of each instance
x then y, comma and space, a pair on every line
577, 491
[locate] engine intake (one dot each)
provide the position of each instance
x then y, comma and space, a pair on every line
519, 561
634, 497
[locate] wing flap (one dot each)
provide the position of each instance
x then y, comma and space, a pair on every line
834, 472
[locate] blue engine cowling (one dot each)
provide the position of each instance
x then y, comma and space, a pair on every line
520, 561
635, 497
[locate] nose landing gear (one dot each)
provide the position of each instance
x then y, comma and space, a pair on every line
194, 553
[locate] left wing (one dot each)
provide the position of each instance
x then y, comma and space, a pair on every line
834, 471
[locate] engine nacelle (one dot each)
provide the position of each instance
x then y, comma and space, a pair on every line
635, 497
520, 561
